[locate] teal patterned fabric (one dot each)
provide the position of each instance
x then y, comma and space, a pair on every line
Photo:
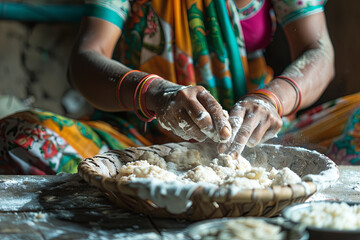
290, 10
114, 11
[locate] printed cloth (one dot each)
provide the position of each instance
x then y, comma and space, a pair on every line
332, 128
207, 42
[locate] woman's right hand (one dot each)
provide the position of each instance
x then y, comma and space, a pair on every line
190, 112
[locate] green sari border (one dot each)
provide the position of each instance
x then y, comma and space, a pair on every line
104, 13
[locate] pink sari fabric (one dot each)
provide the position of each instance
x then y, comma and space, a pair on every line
260, 36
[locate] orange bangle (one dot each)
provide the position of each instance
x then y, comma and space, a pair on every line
140, 85
272, 97
118, 88
142, 106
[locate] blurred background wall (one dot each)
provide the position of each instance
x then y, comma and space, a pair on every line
34, 54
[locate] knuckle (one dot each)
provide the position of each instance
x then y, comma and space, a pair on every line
205, 123
181, 94
243, 134
201, 89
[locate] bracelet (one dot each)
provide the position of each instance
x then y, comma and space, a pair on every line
296, 87
144, 114
142, 99
271, 96
118, 88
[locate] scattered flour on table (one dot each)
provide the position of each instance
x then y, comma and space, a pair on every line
191, 166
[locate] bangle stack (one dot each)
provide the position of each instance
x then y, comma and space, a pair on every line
271, 96
298, 93
139, 98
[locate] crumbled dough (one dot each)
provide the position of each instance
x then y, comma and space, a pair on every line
259, 174
242, 182
339, 216
154, 159
142, 169
186, 159
202, 174
237, 164
225, 172
285, 176
189, 165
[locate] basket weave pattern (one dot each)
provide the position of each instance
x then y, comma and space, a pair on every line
101, 170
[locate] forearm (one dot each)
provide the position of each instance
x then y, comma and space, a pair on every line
96, 77
312, 71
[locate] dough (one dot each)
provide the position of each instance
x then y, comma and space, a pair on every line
193, 165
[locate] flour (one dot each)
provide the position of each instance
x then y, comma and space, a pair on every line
183, 122
169, 181
309, 57
185, 165
238, 140
202, 174
202, 116
154, 159
235, 123
142, 169
268, 106
240, 229
339, 216
285, 176
186, 159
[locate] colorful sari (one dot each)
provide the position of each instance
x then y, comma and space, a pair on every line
206, 42
332, 128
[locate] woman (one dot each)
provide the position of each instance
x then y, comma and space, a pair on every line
201, 44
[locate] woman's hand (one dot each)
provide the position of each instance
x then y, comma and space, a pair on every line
191, 113
253, 120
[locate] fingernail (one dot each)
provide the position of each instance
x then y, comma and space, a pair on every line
251, 143
234, 155
225, 133
222, 148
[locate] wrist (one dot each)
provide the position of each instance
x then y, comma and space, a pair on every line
158, 92
270, 97
289, 93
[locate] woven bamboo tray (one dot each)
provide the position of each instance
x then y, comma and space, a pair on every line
316, 170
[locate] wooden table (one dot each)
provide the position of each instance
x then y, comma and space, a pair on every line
66, 207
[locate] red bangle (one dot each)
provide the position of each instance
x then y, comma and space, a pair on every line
118, 88
140, 84
142, 101
296, 87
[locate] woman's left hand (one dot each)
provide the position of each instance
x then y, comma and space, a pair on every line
253, 119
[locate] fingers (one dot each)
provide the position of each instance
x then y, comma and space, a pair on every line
219, 117
250, 122
236, 119
200, 117
180, 123
253, 121
194, 113
169, 123
189, 127
265, 130
206, 113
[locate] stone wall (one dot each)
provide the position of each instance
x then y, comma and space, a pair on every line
33, 62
